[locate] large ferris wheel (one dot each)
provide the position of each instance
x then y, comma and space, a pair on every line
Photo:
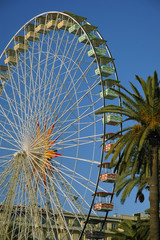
55, 73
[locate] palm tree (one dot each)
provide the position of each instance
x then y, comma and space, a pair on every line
132, 230
126, 230
125, 181
142, 136
125, 184
143, 231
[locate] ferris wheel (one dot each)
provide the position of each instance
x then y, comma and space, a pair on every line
54, 76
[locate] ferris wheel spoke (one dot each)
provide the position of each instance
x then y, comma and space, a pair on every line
70, 113
72, 142
3, 183
13, 119
65, 193
8, 137
81, 159
69, 91
12, 143
41, 161
71, 196
11, 122
65, 170
56, 207
67, 73
62, 101
70, 60
63, 130
17, 90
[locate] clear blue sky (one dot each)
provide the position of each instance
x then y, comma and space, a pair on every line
131, 28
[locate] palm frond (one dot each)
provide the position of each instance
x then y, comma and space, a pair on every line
142, 83
135, 90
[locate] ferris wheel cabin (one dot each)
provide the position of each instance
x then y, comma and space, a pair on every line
20, 44
65, 23
108, 175
4, 75
31, 35
110, 139
51, 21
112, 119
103, 201
94, 234
11, 57
41, 27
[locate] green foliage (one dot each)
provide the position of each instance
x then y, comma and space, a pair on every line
132, 230
135, 154
137, 174
145, 112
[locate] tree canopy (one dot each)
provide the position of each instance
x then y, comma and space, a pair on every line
135, 154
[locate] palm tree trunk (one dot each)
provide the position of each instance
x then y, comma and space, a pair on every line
154, 196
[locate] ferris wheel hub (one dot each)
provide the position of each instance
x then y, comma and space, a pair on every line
20, 155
